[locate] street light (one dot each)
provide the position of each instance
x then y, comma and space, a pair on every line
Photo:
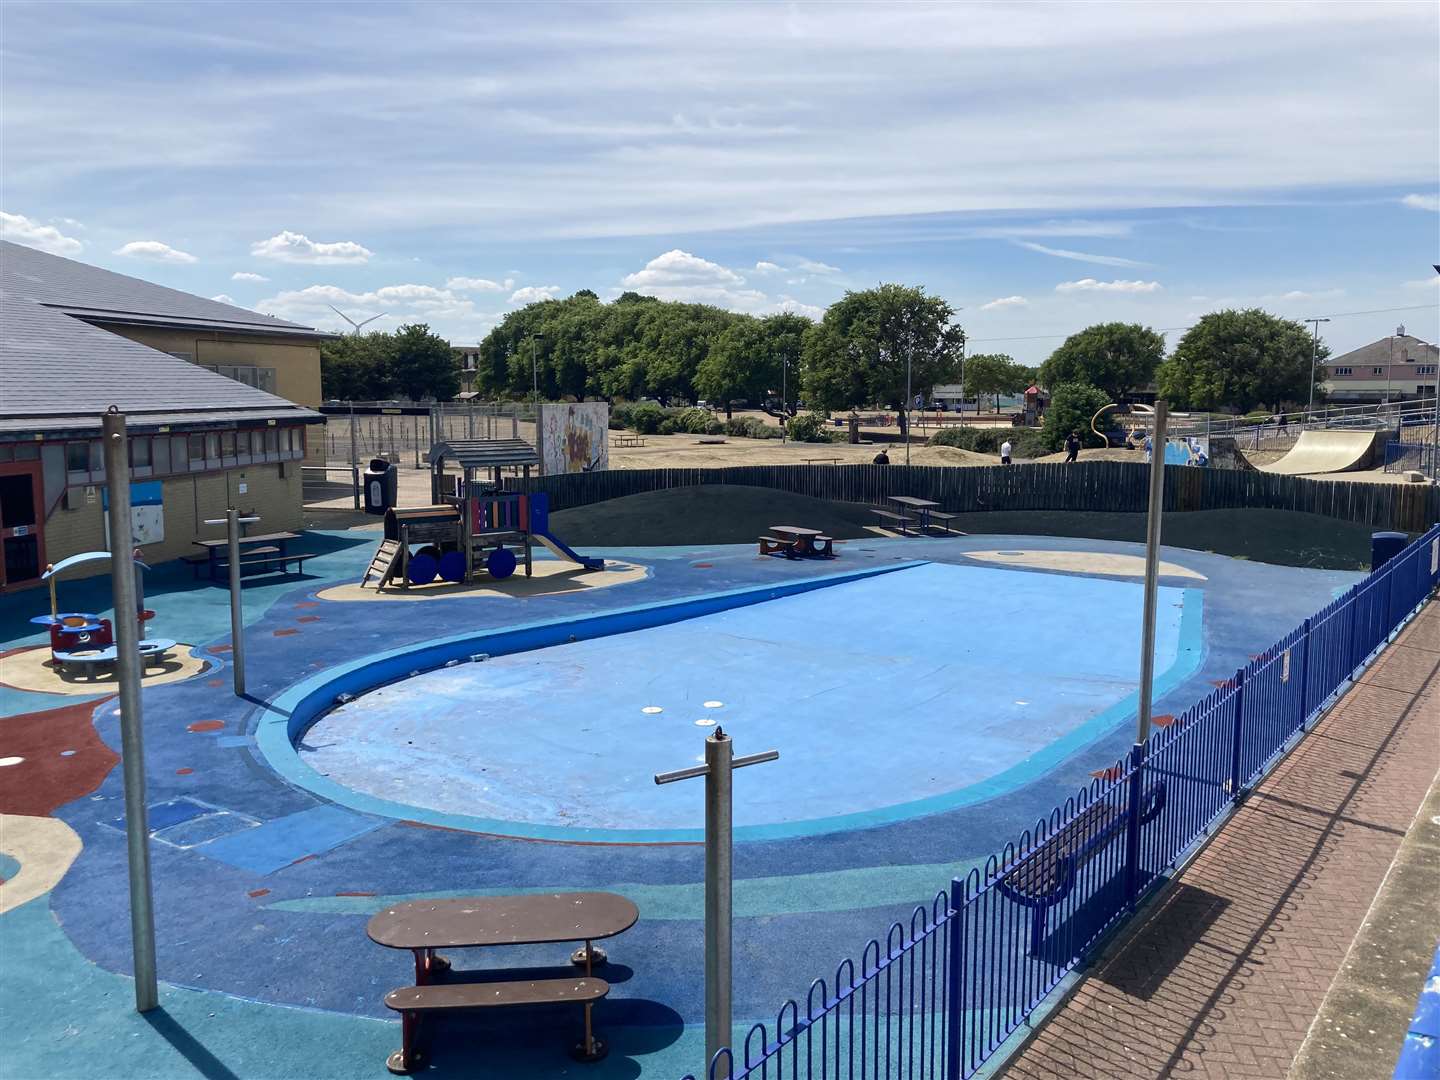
1314, 350
534, 365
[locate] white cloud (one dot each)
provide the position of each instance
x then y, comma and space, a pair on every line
442, 310
676, 269
788, 305
1422, 283
1422, 202
155, 251
810, 266
763, 267
1078, 256
1301, 294
225, 298
246, 275
1004, 302
293, 247
530, 294
479, 284
1091, 285
22, 230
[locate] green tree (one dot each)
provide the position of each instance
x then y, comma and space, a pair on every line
1114, 357
785, 347
419, 364
858, 353
1071, 407
1240, 360
996, 373
353, 367
737, 366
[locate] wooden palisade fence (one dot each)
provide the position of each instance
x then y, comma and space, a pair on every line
1119, 486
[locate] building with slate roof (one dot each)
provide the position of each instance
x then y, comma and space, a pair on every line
204, 387
1400, 367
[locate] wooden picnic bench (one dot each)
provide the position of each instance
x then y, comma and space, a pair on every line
943, 518
1046, 876
423, 926
257, 550
152, 650
774, 545
902, 521
266, 557
627, 440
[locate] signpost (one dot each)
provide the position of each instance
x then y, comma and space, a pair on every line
232, 522
132, 747
720, 764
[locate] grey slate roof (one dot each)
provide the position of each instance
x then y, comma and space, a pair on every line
104, 296
485, 453
55, 368
1397, 350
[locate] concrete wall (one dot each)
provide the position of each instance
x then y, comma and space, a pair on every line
188, 501
296, 360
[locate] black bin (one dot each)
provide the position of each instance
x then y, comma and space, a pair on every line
380, 482
1384, 546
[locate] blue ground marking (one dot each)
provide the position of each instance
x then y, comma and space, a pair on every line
278, 843
803, 673
9, 866
817, 899
1420, 1050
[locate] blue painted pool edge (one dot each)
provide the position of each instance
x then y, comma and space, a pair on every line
282, 722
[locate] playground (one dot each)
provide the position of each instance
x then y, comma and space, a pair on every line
930, 698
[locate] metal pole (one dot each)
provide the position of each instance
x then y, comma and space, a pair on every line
1314, 350
534, 372
784, 400
237, 617
719, 766
905, 405
354, 459
132, 746
1152, 570
719, 750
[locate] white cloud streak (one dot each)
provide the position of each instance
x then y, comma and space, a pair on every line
1078, 256
1091, 285
155, 251
246, 275
1422, 202
293, 247
476, 284
21, 230
531, 294
1004, 302
225, 298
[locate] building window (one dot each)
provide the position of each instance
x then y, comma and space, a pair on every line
1342, 371
212, 448
262, 378
197, 452
77, 457
272, 441
1425, 369
140, 453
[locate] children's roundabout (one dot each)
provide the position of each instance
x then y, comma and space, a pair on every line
929, 698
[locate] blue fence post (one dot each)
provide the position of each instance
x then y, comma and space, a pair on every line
1237, 734
1355, 631
1132, 823
1305, 674
954, 1013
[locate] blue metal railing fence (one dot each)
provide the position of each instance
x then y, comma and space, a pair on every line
1404, 456
942, 994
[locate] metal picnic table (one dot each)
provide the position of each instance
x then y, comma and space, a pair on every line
804, 538
219, 556
423, 926
921, 506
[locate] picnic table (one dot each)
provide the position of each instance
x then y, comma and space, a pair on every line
218, 555
423, 926
921, 507
804, 539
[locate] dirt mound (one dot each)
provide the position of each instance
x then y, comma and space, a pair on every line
712, 514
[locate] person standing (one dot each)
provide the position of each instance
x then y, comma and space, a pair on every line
1072, 447
1005, 449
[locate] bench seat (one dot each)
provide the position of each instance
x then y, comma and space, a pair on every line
903, 520
413, 1002
773, 545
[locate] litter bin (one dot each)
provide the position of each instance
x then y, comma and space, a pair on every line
1384, 546
380, 481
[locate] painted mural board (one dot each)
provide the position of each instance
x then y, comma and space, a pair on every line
147, 513
573, 437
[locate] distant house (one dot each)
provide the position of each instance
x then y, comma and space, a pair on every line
467, 363
204, 387
1395, 368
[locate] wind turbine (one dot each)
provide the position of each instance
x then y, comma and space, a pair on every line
355, 326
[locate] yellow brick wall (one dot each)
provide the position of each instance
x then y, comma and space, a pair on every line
188, 501
296, 360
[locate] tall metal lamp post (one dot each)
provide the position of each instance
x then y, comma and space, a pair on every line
535, 365
720, 764
1314, 351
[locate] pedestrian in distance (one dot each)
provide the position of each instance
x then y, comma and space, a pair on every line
882, 458
1072, 447
1005, 449
1284, 424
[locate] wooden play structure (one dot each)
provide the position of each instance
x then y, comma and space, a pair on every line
473, 527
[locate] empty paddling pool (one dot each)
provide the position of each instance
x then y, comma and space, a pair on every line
888, 696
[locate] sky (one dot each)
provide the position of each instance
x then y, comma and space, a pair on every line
1041, 167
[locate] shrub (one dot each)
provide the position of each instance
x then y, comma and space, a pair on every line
1028, 443
645, 419
750, 427
980, 440
693, 421
1070, 409
810, 427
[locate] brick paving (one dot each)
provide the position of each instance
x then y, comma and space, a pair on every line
1223, 974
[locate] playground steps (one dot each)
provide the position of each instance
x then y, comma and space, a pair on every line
386, 563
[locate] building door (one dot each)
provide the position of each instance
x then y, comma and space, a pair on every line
22, 528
